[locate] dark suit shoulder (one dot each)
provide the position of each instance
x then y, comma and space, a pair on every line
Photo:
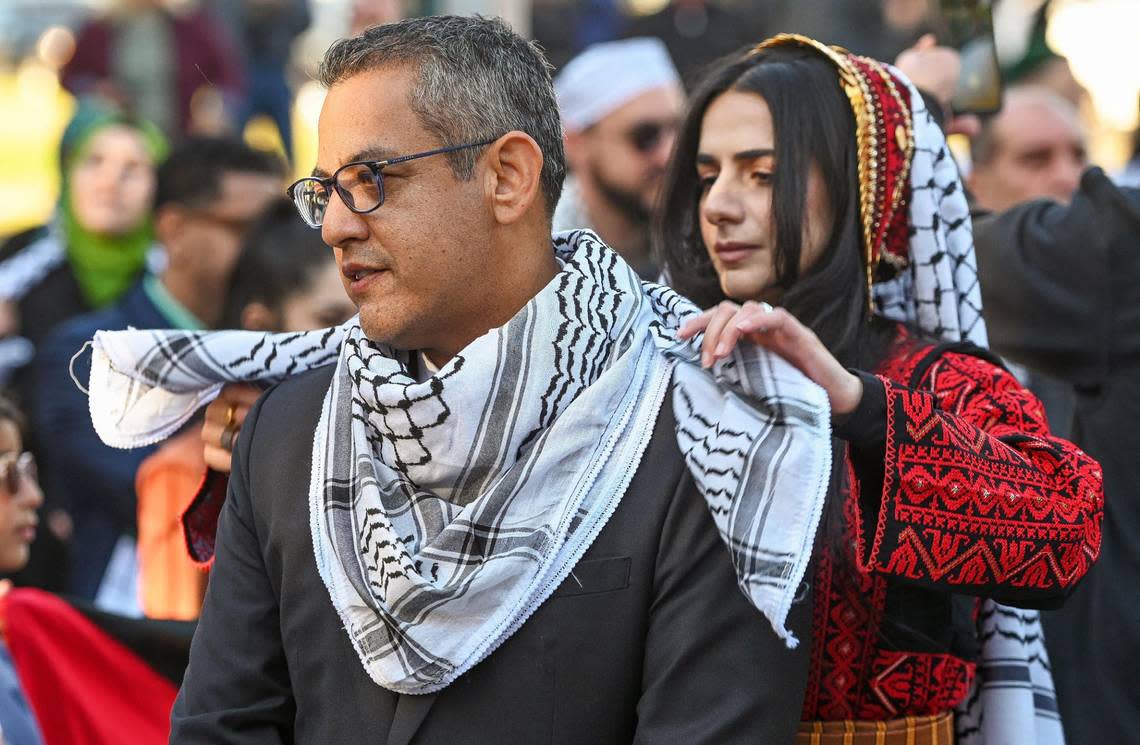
296, 401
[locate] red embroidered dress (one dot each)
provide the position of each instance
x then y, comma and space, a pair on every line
976, 498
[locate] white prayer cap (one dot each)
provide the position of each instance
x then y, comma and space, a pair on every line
607, 75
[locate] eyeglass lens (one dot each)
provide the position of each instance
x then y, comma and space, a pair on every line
359, 186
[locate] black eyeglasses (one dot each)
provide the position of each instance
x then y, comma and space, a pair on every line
360, 185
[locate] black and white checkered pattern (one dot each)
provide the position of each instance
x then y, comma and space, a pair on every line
445, 510
938, 292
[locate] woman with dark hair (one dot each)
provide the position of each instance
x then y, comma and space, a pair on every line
814, 180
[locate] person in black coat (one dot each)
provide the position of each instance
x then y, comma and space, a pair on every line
1061, 289
644, 636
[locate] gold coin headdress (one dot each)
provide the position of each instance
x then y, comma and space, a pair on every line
884, 135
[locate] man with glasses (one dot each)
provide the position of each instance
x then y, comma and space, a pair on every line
621, 102
464, 516
208, 193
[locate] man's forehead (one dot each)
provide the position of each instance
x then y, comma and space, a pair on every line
1039, 117
366, 115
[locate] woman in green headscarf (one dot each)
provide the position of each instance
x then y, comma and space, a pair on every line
98, 242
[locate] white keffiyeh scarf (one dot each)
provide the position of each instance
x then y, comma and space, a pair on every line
444, 512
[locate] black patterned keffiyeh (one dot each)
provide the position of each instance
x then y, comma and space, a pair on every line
444, 511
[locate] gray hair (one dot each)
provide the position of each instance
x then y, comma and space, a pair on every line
478, 79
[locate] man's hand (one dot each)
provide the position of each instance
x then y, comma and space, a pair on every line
224, 418
935, 70
778, 331
932, 68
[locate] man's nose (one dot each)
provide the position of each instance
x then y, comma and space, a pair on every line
341, 225
1065, 177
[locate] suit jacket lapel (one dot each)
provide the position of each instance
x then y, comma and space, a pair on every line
410, 714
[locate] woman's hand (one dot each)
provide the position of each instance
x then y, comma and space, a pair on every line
224, 417
778, 331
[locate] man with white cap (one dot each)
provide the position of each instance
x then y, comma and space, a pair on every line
620, 104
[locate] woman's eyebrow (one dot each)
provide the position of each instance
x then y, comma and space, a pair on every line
704, 159
760, 152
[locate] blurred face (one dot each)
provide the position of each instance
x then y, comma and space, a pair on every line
323, 304
623, 157
735, 163
208, 239
1039, 151
20, 498
112, 182
417, 266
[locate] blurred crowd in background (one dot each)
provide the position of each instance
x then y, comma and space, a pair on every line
253, 61
145, 145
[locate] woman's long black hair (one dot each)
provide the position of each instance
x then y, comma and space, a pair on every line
813, 123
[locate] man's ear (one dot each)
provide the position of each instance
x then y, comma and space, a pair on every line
514, 176
169, 220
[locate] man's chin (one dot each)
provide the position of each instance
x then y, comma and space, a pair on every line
377, 326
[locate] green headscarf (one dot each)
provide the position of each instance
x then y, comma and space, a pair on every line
104, 266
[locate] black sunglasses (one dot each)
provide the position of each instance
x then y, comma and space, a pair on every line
645, 137
359, 184
14, 469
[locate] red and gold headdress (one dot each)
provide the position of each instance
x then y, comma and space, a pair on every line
884, 134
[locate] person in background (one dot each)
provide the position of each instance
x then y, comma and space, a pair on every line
97, 243
1071, 309
210, 190
284, 280
816, 180
1034, 148
92, 251
20, 500
170, 63
620, 103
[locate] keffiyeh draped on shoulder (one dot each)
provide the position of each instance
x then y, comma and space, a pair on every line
445, 511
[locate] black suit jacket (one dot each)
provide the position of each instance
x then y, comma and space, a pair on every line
649, 640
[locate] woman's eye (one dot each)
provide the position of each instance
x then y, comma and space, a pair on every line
763, 177
704, 183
